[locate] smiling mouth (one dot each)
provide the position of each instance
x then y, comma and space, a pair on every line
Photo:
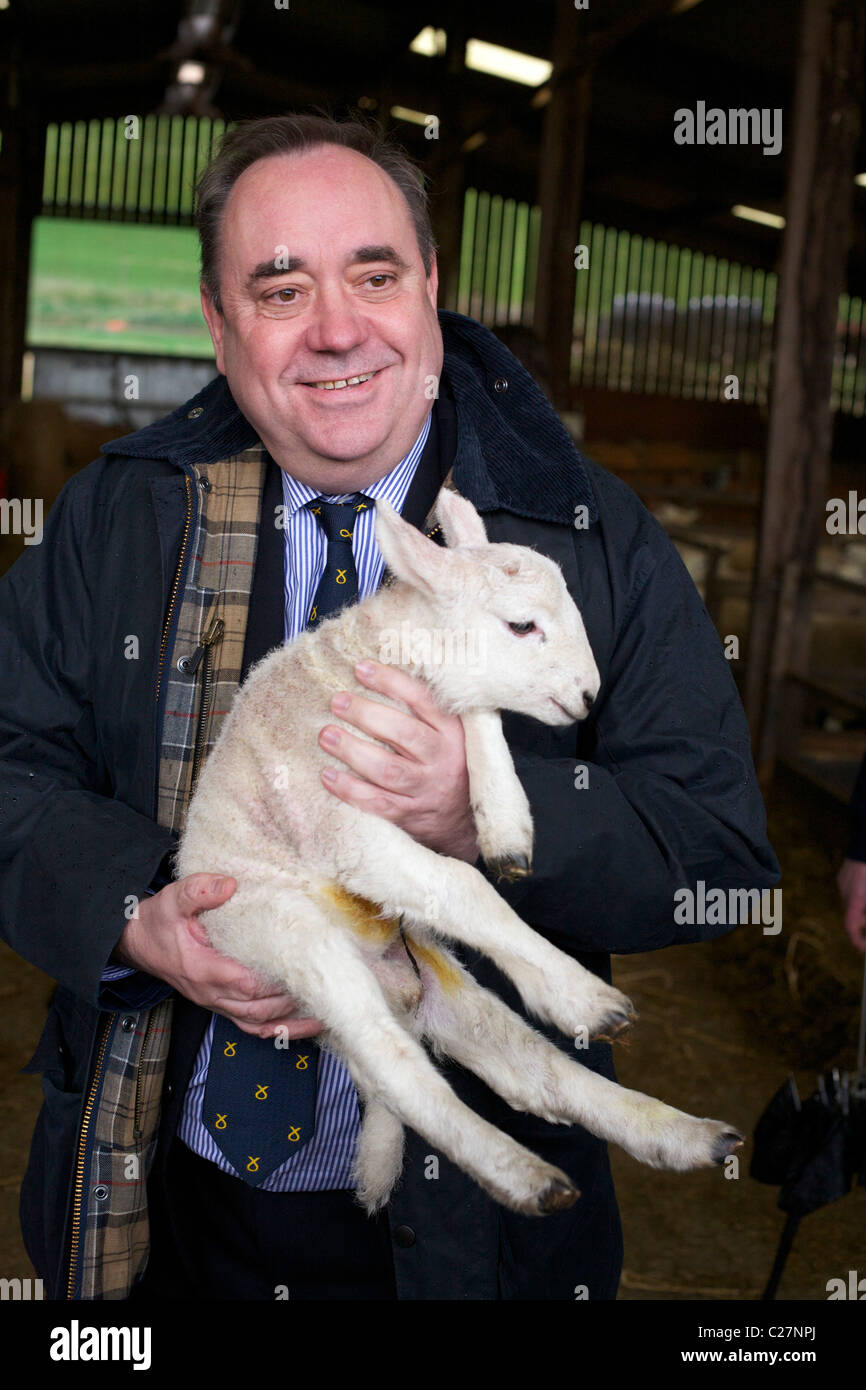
341, 383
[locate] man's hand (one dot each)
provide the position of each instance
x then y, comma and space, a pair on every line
423, 784
167, 940
852, 887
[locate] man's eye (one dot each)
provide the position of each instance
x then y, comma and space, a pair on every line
280, 293
522, 628
380, 275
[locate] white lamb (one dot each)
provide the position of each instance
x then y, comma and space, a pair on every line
349, 914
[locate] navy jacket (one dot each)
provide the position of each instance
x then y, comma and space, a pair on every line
671, 795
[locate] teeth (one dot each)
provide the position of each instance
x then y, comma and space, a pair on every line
338, 385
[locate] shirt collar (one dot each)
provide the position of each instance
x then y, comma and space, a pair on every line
393, 486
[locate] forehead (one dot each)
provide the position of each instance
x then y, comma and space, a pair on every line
328, 197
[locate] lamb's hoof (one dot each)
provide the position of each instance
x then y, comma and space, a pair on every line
726, 1144
513, 867
557, 1196
615, 1024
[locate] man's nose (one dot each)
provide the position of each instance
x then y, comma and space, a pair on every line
336, 323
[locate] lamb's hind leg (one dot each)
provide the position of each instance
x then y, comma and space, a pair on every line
321, 964
453, 899
478, 1030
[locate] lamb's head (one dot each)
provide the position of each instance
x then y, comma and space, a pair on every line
494, 626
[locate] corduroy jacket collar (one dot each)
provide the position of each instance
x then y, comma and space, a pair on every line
513, 452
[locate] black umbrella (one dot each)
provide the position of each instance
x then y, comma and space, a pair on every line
812, 1149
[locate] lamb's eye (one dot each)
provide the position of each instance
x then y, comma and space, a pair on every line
522, 628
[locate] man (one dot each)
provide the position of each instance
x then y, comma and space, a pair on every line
319, 289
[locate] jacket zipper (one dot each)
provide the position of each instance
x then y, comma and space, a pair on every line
77, 1191
136, 1115
174, 589
205, 648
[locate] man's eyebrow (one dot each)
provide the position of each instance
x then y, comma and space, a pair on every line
268, 270
365, 254
362, 255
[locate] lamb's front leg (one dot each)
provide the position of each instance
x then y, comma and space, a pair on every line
475, 1027
453, 899
503, 820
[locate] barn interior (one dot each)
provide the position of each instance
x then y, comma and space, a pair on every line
660, 207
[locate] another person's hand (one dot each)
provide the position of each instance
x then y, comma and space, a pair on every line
421, 782
852, 887
167, 940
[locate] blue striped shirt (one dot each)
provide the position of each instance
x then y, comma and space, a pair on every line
326, 1160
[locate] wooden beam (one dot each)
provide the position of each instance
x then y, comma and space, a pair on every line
563, 154
21, 162
827, 102
447, 164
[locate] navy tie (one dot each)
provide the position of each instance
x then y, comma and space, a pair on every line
339, 583
260, 1097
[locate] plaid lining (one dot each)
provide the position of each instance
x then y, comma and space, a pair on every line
219, 582
114, 1239
114, 1230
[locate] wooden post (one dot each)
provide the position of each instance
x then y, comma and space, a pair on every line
448, 162
21, 161
563, 153
821, 172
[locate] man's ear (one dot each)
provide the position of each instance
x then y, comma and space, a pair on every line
433, 281
216, 326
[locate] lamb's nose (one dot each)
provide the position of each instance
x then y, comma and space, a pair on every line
588, 700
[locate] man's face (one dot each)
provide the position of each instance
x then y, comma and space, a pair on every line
354, 300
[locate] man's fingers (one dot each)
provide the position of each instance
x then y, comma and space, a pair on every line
407, 733
377, 766
289, 1028
391, 680
271, 1009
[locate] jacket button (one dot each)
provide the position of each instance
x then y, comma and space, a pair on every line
127, 1024
404, 1236
169, 1090
500, 384
204, 484
195, 412
100, 1192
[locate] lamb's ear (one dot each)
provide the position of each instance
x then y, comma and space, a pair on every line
409, 555
460, 522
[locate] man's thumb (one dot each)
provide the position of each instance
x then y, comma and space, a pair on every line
208, 890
